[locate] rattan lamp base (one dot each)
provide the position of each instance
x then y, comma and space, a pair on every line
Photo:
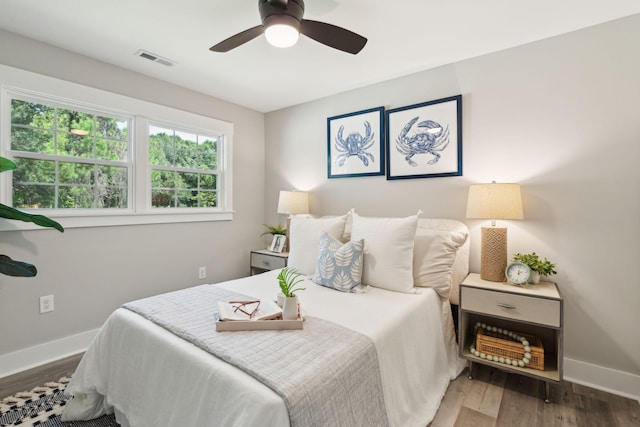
493, 255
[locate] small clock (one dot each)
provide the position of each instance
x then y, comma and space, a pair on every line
517, 273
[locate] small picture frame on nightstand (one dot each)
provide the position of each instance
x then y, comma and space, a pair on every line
277, 244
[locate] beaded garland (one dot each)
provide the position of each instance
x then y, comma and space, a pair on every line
510, 335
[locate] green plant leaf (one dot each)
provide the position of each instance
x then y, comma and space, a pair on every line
275, 229
16, 268
8, 266
6, 164
41, 220
545, 268
288, 278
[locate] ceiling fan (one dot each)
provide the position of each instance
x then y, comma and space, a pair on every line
282, 23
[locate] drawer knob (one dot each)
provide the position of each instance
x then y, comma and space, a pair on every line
506, 306
265, 263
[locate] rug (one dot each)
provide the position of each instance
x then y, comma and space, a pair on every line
42, 407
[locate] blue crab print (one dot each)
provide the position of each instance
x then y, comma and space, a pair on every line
355, 145
431, 138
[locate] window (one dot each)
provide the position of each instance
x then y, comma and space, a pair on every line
68, 159
95, 158
183, 168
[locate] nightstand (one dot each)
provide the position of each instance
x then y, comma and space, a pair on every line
264, 260
536, 310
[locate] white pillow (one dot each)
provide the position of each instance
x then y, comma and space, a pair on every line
388, 251
435, 250
340, 265
304, 240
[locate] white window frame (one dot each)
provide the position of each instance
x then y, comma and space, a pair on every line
175, 127
43, 89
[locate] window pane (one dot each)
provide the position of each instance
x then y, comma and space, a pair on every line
208, 160
169, 147
34, 196
208, 199
161, 146
112, 128
115, 198
28, 113
111, 187
162, 199
159, 154
187, 199
186, 159
187, 180
75, 173
208, 182
163, 179
208, 156
34, 184
108, 149
77, 196
32, 140
75, 145
75, 122
186, 141
34, 171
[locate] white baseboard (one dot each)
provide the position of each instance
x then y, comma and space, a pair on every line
18, 361
606, 379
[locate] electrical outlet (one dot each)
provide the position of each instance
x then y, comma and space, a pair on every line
46, 304
202, 273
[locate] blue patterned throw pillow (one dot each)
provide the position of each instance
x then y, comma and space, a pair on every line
340, 265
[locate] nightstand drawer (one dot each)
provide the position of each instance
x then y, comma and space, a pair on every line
518, 307
267, 262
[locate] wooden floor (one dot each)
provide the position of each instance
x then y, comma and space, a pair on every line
492, 398
495, 398
25, 381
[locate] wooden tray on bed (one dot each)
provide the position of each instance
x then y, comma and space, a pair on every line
259, 325
268, 322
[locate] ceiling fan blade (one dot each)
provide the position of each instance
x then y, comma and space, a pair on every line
237, 40
333, 36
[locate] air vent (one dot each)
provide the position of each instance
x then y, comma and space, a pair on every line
155, 58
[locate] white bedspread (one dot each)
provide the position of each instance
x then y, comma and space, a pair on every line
153, 378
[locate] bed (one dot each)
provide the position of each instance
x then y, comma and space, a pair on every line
150, 375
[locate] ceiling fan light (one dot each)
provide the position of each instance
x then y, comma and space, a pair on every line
281, 35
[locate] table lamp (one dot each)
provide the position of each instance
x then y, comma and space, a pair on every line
292, 203
494, 201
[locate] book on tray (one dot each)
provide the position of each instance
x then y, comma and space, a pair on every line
249, 310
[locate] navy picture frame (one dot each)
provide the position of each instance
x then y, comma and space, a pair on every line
355, 144
425, 140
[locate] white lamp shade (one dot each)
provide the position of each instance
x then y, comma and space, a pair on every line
495, 201
293, 202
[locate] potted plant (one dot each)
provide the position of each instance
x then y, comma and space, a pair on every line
9, 266
274, 229
538, 267
288, 279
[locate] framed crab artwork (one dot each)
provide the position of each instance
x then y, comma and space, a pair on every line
425, 140
355, 144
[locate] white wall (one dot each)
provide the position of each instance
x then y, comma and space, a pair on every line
560, 117
91, 271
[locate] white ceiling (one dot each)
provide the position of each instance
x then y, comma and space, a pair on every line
405, 36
